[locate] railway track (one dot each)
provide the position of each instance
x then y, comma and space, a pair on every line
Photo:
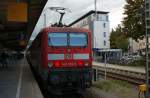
46, 94
86, 94
132, 77
66, 96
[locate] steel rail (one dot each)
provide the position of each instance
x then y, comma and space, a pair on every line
132, 77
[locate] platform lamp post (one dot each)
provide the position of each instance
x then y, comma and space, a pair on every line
105, 64
94, 40
95, 5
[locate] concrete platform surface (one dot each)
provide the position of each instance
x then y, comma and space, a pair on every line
17, 81
129, 68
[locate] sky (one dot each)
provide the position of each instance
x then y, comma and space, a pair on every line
79, 8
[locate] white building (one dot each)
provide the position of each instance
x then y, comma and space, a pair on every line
137, 46
99, 28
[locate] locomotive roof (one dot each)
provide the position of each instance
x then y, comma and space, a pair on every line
64, 29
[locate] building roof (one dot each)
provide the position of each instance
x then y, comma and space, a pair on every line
87, 14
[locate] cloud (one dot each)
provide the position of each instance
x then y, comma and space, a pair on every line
79, 8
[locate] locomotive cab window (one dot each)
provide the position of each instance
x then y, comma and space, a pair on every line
78, 39
67, 39
57, 39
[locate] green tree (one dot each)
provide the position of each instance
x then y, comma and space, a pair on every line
134, 19
113, 39
122, 43
118, 39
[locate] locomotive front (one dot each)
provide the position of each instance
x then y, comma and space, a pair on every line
69, 59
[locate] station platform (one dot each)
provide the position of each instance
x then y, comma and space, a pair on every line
17, 81
129, 68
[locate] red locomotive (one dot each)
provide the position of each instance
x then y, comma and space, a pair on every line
62, 58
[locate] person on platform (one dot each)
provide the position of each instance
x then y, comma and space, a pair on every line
4, 59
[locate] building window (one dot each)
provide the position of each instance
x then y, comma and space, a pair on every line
148, 22
147, 5
99, 17
104, 25
147, 14
104, 43
148, 31
106, 18
104, 34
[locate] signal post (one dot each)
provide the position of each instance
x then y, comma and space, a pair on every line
147, 23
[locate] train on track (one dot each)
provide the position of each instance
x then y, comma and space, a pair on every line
62, 58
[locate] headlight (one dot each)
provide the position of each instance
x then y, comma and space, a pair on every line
86, 64
50, 64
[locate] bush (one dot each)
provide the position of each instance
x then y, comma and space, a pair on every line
141, 62
122, 89
108, 85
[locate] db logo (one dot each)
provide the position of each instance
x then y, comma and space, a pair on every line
68, 56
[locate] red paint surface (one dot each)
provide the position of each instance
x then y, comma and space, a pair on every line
45, 49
